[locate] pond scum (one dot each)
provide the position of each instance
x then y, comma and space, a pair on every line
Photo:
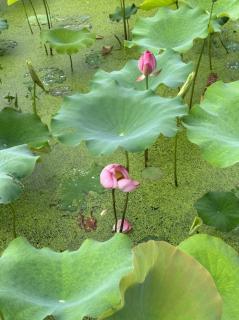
119, 151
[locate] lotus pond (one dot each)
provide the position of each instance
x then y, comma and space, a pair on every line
119, 151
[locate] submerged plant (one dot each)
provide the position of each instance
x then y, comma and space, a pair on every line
115, 176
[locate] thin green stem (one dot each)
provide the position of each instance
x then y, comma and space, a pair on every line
222, 43
127, 160
71, 62
128, 29
177, 4
13, 221
124, 20
114, 209
47, 14
25, 11
34, 98
196, 74
210, 51
146, 152
175, 160
35, 14
124, 212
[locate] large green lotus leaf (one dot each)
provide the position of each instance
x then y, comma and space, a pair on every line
68, 41
167, 284
213, 125
171, 29
15, 163
152, 4
112, 116
222, 8
35, 283
173, 73
18, 128
219, 210
222, 261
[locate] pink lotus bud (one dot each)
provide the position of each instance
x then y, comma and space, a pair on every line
127, 227
147, 63
116, 176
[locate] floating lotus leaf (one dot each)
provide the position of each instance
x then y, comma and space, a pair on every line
222, 261
173, 73
35, 283
18, 128
118, 15
213, 125
222, 8
152, 4
219, 210
171, 29
68, 41
112, 116
15, 164
167, 284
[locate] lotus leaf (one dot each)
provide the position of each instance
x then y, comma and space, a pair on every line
68, 41
112, 116
222, 261
118, 15
35, 283
10, 2
219, 210
213, 125
167, 284
222, 8
24, 128
171, 29
173, 73
152, 4
15, 164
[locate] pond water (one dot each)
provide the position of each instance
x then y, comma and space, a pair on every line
48, 212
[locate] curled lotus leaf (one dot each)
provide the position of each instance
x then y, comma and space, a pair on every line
15, 164
167, 284
36, 283
171, 29
25, 128
68, 41
213, 125
152, 4
173, 73
222, 8
219, 210
222, 261
112, 116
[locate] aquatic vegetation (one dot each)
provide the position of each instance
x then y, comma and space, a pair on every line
3, 24
152, 4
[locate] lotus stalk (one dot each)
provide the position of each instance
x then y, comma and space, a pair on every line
25, 11
122, 4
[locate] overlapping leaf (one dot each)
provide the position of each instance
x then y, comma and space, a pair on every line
112, 116
167, 284
35, 283
171, 29
173, 73
213, 125
15, 164
18, 128
222, 261
68, 41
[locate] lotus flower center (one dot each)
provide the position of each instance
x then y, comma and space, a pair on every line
118, 175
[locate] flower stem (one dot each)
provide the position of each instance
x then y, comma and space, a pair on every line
124, 20
114, 209
210, 51
25, 11
127, 160
124, 212
146, 152
13, 220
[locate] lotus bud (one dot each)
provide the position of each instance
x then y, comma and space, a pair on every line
147, 63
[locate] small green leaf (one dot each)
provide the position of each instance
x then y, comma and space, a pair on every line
197, 223
152, 4
219, 210
222, 261
15, 164
68, 41
118, 15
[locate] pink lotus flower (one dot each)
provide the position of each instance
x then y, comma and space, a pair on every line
127, 227
147, 64
116, 176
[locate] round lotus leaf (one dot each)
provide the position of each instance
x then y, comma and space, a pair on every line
152, 4
68, 41
112, 116
219, 210
28, 129
222, 8
222, 261
168, 284
171, 29
15, 164
213, 125
173, 73
36, 283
